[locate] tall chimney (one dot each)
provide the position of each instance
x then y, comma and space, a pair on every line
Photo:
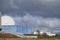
0, 18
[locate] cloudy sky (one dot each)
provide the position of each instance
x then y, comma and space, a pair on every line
38, 14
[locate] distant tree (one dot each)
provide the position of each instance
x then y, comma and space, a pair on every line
45, 35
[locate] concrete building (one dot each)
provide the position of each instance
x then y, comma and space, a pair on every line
9, 29
47, 33
50, 34
13, 29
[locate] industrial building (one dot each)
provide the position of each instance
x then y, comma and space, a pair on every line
13, 29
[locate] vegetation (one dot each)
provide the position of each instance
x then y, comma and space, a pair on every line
7, 35
27, 39
10, 37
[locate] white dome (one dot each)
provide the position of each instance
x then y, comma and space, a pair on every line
7, 20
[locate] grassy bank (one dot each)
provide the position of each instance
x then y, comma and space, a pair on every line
27, 39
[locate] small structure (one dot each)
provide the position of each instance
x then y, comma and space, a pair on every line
50, 34
30, 36
0, 29
46, 33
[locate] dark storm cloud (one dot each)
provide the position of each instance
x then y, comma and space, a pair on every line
45, 8
0, 5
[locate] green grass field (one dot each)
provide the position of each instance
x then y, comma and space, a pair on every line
27, 39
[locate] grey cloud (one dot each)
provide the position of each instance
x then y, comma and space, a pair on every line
43, 24
45, 8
